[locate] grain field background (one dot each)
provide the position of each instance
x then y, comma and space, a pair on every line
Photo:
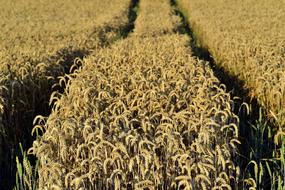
142, 95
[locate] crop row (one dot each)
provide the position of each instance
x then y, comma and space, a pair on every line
142, 113
149, 16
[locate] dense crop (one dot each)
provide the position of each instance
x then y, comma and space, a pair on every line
143, 113
132, 105
135, 119
39, 41
156, 18
47, 26
247, 40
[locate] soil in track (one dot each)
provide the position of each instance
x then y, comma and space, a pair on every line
23, 118
241, 96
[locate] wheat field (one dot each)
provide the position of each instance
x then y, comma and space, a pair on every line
247, 40
141, 114
39, 44
112, 95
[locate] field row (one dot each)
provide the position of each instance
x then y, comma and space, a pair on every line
142, 113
